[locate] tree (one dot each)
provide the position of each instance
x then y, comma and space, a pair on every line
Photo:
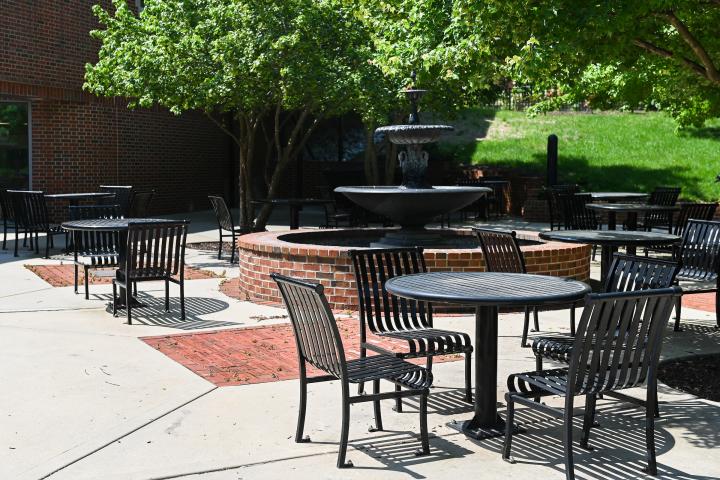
276, 67
664, 53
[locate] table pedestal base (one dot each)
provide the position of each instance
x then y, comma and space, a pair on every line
476, 432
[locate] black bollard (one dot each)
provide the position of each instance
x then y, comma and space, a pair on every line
552, 160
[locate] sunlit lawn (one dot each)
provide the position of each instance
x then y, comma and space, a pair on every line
601, 151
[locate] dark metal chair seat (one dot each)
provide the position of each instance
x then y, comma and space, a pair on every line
430, 341
385, 367
554, 348
148, 274
97, 259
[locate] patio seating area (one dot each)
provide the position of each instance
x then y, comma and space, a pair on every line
213, 393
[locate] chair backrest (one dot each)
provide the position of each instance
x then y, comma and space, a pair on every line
155, 249
666, 196
696, 211
316, 334
618, 340
700, 250
501, 251
575, 215
140, 204
95, 243
553, 203
630, 273
222, 212
123, 196
30, 209
379, 310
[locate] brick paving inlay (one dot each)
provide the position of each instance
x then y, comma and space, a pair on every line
700, 301
243, 356
62, 275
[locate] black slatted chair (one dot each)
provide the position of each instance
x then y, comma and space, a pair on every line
31, 216
94, 249
225, 224
154, 251
502, 254
667, 197
700, 263
688, 211
410, 321
628, 273
575, 215
319, 344
556, 218
8, 217
123, 197
617, 347
140, 204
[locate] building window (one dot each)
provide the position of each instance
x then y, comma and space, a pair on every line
14, 145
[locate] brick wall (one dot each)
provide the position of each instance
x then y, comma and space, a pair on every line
80, 141
263, 253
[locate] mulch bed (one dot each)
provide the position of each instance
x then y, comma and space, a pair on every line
210, 247
62, 275
695, 375
243, 356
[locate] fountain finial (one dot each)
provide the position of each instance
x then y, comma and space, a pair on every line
414, 95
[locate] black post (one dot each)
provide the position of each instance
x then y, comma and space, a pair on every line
552, 160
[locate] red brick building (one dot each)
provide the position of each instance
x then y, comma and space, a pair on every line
57, 138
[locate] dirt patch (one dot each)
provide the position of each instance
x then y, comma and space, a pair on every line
695, 375
210, 247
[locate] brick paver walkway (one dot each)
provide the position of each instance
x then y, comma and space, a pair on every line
700, 301
62, 275
252, 355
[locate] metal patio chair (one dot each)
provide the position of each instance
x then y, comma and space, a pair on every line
688, 211
554, 210
665, 196
502, 254
225, 224
700, 263
140, 204
617, 346
319, 344
410, 321
154, 251
123, 197
93, 250
8, 217
31, 217
574, 214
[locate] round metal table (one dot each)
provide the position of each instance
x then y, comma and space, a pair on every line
617, 196
74, 198
486, 291
610, 240
119, 225
632, 210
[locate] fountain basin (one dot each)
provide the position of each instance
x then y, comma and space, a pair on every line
322, 256
414, 134
413, 208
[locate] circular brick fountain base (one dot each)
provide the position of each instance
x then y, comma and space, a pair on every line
308, 254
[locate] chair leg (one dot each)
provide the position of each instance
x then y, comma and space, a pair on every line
167, 296
509, 420
114, 298
4, 247
717, 307
536, 321
341, 463
17, 240
76, 278
232, 253
678, 312
361, 385
468, 377
376, 407
182, 299
398, 401
526, 326
128, 302
299, 438
423, 425
572, 319
86, 271
588, 420
567, 443
651, 468
220, 247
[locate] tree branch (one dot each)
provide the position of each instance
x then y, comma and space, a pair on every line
711, 72
223, 128
694, 66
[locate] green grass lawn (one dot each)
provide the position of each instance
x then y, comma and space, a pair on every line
601, 151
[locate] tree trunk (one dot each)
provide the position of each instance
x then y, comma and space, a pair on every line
370, 156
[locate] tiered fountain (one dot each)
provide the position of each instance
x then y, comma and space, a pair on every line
414, 203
